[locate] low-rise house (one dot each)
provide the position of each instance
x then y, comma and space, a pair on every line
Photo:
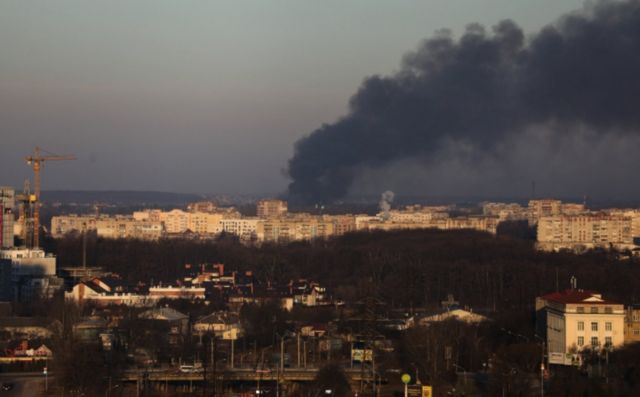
453, 313
307, 293
314, 330
94, 292
29, 348
179, 292
89, 329
178, 322
224, 325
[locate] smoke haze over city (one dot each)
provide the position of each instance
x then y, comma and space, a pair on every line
491, 111
210, 98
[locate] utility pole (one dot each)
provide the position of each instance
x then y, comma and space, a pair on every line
542, 370
233, 344
298, 334
213, 362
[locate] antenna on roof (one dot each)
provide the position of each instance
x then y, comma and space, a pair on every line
574, 282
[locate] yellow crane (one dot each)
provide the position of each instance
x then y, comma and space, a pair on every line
36, 161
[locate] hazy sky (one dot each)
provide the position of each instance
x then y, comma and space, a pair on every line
201, 96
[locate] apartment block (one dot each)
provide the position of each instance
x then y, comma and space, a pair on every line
551, 207
296, 228
585, 231
245, 228
61, 225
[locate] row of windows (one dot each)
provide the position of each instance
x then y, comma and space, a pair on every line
608, 326
595, 342
595, 309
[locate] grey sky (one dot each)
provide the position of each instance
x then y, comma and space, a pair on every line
201, 96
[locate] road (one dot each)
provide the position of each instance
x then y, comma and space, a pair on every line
30, 384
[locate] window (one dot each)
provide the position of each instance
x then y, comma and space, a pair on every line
580, 325
580, 341
608, 326
594, 326
594, 341
607, 341
636, 331
580, 309
594, 309
608, 310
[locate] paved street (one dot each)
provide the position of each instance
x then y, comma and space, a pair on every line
25, 384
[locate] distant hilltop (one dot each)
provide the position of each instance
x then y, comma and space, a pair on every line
123, 197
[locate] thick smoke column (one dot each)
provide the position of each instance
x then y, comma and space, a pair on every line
582, 71
386, 198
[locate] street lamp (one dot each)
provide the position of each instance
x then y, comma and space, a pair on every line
328, 392
406, 378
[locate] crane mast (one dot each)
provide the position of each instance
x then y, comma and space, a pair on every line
36, 161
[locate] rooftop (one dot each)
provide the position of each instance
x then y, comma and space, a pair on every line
575, 296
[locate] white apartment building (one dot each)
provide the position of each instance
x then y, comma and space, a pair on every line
585, 231
30, 262
245, 228
574, 319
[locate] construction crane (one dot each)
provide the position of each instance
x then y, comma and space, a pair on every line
36, 161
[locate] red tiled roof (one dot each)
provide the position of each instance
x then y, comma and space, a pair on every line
573, 296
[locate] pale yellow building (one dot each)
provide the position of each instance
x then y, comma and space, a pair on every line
126, 227
552, 207
61, 225
584, 231
296, 228
575, 319
632, 324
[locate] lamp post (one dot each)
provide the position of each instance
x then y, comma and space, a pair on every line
406, 378
542, 346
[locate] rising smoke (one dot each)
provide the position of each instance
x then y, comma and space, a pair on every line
479, 91
386, 198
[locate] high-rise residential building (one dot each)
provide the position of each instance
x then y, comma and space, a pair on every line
551, 207
584, 231
271, 208
575, 319
61, 225
245, 228
7, 216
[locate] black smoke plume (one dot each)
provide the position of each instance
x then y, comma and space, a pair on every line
584, 70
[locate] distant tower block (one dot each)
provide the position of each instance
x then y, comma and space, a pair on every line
7, 217
271, 208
